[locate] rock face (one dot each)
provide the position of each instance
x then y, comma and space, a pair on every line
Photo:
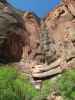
57, 41
60, 24
46, 47
12, 35
32, 26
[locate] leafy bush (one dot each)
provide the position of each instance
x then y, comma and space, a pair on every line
66, 84
15, 86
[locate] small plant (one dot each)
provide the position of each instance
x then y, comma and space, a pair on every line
16, 86
66, 84
13, 86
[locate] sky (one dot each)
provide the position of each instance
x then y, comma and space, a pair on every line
39, 7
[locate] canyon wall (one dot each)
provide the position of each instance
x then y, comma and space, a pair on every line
45, 46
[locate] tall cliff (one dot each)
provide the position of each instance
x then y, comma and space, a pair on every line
57, 37
12, 33
45, 46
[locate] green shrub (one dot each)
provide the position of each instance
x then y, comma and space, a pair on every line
15, 86
66, 84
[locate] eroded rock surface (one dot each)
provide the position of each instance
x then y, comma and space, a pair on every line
12, 34
59, 35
